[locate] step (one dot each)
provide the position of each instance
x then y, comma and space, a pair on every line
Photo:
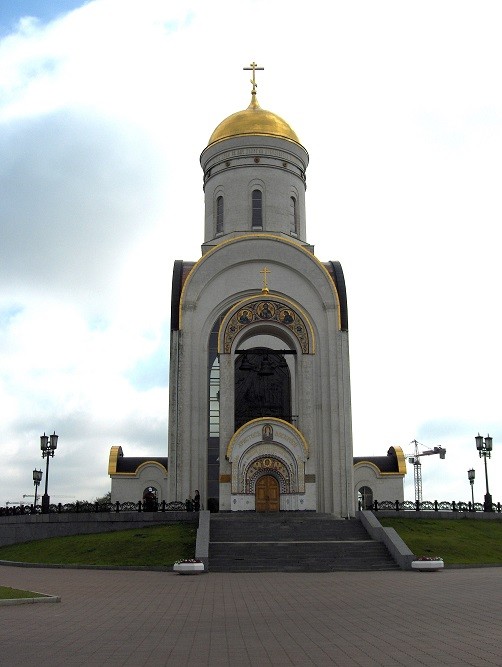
310, 527
293, 542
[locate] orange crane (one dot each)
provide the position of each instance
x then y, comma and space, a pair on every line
417, 465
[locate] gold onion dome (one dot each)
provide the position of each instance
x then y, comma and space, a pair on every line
253, 121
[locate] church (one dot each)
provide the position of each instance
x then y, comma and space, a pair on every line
259, 386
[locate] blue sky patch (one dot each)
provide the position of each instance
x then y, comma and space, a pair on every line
11, 11
8, 314
152, 372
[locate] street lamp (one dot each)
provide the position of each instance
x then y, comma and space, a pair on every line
471, 474
484, 447
48, 445
37, 478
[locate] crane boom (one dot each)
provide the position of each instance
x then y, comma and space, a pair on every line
417, 466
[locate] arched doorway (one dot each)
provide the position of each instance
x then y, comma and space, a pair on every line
267, 496
365, 498
150, 499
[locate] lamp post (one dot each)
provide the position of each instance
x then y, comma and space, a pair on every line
484, 447
37, 478
48, 445
471, 474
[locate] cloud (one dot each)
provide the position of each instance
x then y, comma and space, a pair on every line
104, 111
75, 190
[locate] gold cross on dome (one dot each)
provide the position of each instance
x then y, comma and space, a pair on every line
253, 67
265, 271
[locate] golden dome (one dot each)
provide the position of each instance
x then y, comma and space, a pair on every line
253, 121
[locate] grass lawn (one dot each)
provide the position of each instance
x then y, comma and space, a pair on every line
457, 541
7, 593
157, 545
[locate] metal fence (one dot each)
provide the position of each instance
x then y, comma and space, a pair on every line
75, 508
429, 506
188, 506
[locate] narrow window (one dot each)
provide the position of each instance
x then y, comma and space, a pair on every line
214, 399
293, 225
219, 215
257, 216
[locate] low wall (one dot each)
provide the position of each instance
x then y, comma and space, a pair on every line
202, 541
395, 545
17, 529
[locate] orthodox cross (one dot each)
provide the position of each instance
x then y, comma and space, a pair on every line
265, 289
253, 67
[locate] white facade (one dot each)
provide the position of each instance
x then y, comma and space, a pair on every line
132, 477
379, 478
259, 413
258, 287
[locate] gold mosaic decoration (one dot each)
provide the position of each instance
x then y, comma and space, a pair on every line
266, 310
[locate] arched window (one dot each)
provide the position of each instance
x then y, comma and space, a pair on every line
293, 223
257, 212
219, 215
214, 399
365, 498
213, 433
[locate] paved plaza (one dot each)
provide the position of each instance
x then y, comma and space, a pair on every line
110, 617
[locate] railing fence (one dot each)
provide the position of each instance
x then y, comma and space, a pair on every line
428, 506
77, 507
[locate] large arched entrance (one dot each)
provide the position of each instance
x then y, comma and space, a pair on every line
267, 496
269, 448
262, 386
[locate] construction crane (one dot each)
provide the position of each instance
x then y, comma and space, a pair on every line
417, 465
31, 495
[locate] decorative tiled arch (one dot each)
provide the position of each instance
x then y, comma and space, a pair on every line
269, 309
267, 446
263, 429
266, 464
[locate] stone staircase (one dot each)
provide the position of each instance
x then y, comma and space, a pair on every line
292, 542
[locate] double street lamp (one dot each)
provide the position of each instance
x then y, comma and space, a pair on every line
48, 445
37, 478
484, 447
471, 474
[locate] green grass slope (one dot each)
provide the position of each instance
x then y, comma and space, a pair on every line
152, 546
457, 541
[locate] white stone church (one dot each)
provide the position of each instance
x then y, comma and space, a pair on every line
260, 414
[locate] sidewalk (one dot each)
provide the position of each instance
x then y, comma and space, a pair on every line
109, 617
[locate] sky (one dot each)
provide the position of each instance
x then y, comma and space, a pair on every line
105, 107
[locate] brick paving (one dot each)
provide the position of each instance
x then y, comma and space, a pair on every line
110, 617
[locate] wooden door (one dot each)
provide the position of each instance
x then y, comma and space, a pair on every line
267, 494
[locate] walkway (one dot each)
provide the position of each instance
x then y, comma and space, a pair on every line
367, 619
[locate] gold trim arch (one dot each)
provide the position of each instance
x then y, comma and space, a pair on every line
267, 446
247, 237
251, 438
401, 459
115, 452
266, 309
374, 467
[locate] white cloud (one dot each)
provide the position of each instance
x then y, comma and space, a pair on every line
104, 112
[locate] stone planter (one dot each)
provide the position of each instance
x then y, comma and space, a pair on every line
427, 565
188, 568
